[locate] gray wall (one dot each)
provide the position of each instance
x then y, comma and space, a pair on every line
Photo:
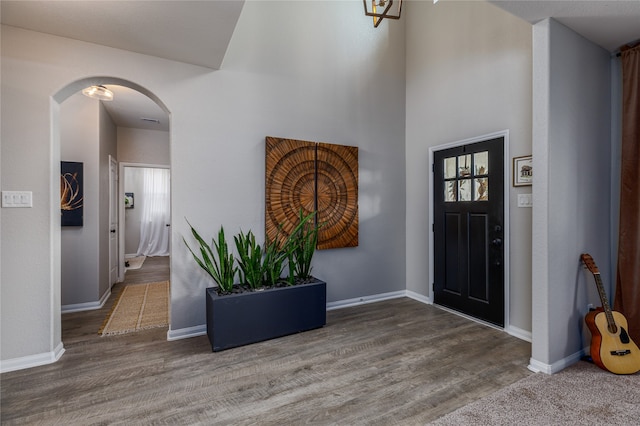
572, 192
87, 135
79, 141
468, 74
336, 80
339, 81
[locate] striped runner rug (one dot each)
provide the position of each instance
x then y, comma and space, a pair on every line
138, 307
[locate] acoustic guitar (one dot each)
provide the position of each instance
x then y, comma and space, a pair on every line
611, 347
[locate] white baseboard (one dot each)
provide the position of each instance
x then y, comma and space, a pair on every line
32, 360
185, 333
419, 297
519, 333
88, 306
365, 299
541, 367
199, 330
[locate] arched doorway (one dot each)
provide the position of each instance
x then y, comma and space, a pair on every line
104, 215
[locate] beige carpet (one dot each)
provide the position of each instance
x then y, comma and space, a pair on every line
581, 394
135, 262
138, 307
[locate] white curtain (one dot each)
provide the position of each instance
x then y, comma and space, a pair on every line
154, 229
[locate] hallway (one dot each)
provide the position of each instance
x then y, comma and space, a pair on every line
83, 326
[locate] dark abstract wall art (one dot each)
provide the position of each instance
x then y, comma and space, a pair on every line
71, 193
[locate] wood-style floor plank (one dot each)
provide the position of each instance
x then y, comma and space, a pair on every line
392, 362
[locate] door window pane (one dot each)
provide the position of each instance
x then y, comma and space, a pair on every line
450, 168
464, 190
466, 177
451, 191
482, 190
464, 165
481, 163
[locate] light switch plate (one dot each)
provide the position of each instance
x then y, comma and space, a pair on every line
19, 199
524, 200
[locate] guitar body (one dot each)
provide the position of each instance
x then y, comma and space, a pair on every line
608, 349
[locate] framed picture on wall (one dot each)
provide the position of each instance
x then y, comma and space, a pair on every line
71, 193
522, 171
128, 200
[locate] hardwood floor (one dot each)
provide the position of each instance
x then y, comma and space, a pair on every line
153, 269
81, 326
392, 362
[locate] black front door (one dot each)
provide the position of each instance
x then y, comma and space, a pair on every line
468, 229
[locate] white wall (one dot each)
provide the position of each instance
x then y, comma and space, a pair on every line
468, 74
143, 146
572, 192
133, 217
293, 69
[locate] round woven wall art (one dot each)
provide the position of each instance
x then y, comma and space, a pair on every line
312, 177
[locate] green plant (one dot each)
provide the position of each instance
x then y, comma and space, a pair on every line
249, 260
273, 262
303, 241
220, 265
258, 266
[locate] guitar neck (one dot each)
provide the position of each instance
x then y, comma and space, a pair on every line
605, 303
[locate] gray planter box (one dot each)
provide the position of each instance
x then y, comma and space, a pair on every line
240, 319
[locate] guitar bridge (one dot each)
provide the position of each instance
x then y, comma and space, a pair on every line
621, 352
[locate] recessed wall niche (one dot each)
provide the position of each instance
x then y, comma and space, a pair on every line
312, 176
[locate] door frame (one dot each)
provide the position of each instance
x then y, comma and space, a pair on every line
506, 236
114, 197
121, 210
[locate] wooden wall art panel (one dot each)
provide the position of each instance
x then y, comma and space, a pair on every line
337, 195
290, 183
315, 177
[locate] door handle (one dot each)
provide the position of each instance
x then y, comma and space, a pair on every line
113, 231
496, 242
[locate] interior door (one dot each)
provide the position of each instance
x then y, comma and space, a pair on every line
468, 229
113, 222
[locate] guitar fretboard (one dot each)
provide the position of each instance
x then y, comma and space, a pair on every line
611, 324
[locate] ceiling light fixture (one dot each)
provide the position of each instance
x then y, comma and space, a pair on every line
98, 92
380, 9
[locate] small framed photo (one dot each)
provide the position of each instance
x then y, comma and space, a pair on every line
522, 170
128, 200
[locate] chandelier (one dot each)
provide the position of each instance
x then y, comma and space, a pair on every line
380, 9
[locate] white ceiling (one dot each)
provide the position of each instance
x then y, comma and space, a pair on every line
194, 32
607, 23
130, 108
198, 32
